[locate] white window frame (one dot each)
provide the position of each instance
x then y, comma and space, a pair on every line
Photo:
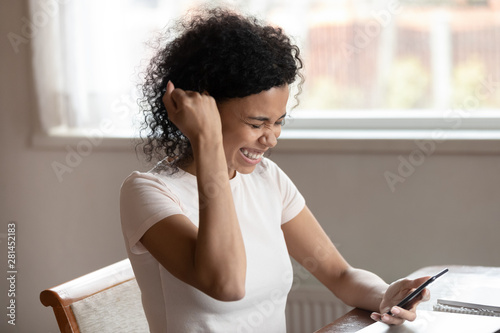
462, 130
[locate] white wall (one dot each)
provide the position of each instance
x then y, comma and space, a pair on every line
447, 212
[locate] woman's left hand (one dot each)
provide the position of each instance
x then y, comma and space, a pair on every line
394, 294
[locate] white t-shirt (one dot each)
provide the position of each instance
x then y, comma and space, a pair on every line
264, 200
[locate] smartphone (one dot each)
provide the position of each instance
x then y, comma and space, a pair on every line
417, 291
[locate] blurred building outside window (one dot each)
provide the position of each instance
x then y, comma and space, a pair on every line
368, 64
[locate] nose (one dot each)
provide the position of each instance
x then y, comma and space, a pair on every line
270, 137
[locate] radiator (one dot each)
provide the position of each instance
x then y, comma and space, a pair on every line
311, 307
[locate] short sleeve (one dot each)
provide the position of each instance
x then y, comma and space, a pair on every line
144, 200
292, 200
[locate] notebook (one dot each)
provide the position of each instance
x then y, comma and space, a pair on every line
483, 301
439, 322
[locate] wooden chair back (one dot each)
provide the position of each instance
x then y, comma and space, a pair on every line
107, 300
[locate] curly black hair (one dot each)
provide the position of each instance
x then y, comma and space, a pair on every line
215, 51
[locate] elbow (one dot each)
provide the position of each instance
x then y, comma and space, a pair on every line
226, 286
228, 292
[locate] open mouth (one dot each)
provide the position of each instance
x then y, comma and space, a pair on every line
252, 155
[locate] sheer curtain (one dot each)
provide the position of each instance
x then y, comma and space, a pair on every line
88, 57
47, 61
87, 60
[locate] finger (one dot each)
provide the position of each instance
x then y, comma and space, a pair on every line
398, 317
182, 97
408, 286
170, 87
391, 320
376, 316
403, 313
424, 296
417, 282
169, 103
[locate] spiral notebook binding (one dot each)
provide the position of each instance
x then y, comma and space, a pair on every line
465, 310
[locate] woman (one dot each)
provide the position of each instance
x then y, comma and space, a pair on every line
210, 229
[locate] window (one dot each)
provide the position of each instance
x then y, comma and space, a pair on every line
369, 65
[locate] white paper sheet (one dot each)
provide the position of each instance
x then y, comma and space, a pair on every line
479, 295
439, 322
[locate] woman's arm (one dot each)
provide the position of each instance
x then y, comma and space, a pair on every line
309, 245
212, 257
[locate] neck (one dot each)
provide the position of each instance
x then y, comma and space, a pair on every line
191, 168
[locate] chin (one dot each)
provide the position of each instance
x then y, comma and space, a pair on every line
245, 169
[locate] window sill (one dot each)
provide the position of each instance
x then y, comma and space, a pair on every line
390, 141
319, 141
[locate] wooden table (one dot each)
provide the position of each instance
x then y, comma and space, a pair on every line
456, 281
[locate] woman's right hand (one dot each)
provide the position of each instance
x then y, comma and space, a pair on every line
195, 115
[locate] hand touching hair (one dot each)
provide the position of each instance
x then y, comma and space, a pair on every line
217, 52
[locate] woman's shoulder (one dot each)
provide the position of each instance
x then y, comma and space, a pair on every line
138, 177
138, 180
159, 175
159, 182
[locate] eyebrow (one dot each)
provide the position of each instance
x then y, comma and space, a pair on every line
261, 118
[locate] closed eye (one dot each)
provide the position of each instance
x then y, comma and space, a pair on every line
279, 122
